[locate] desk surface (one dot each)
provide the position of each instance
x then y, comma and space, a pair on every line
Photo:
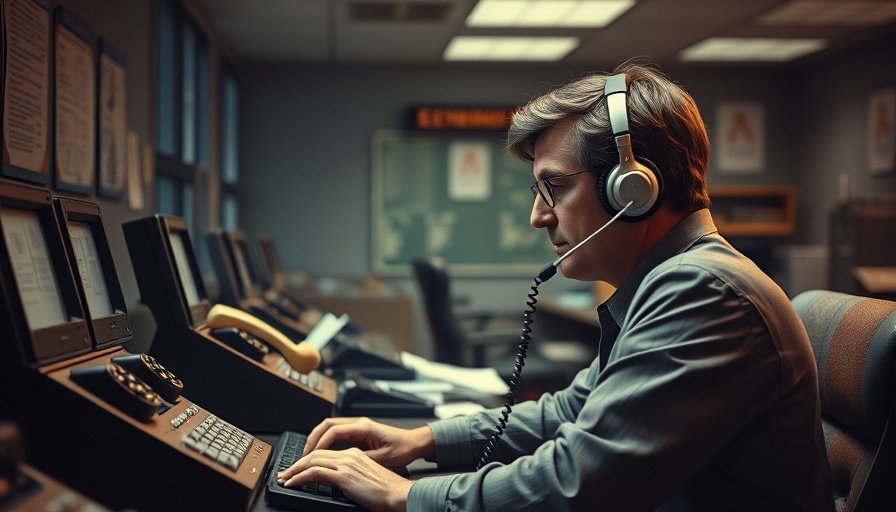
876, 279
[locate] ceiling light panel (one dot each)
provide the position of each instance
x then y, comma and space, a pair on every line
729, 49
547, 13
476, 48
831, 13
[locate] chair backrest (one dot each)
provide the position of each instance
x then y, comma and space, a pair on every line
435, 287
854, 341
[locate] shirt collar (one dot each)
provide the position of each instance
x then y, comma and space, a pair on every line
694, 227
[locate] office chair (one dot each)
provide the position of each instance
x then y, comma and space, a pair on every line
854, 341
471, 342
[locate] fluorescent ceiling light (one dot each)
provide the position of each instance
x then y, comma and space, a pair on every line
471, 48
547, 13
751, 49
831, 13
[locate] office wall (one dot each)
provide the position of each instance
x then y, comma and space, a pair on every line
305, 149
832, 129
305, 139
128, 27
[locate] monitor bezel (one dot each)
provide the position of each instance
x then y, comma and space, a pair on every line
269, 258
37, 347
229, 287
108, 330
177, 226
237, 241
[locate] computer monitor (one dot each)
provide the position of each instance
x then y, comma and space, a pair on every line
272, 274
167, 272
90, 256
39, 291
229, 252
230, 286
248, 278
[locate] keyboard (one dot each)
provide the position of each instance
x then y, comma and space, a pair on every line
315, 497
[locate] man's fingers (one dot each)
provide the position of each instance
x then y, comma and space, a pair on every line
321, 430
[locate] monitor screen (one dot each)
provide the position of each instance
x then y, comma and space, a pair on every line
245, 273
271, 261
32, 265
184, 269
90, 267
39, 292
167, 273
81, 224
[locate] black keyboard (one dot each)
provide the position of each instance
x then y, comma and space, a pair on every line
310, 497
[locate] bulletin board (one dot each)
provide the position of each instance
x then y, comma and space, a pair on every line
461, 196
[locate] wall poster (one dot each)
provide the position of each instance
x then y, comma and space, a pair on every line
75, 105
26, 90
112, 133
739, 143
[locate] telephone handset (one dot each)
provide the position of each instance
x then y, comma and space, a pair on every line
301, 356
120, 388
148, 369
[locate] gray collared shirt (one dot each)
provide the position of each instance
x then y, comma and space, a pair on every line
708, 401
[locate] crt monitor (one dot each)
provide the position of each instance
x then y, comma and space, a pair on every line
229, 252
91, 260
271, 269
166, 269
242, 262
39, 291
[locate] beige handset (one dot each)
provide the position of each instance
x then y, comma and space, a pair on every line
301, 356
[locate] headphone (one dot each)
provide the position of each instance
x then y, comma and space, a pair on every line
634, 180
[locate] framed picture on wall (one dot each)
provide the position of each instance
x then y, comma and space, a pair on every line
26, 90
74, 101
882, 131
739, 142
111, 123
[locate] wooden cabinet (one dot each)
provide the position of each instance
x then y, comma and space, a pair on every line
753, 210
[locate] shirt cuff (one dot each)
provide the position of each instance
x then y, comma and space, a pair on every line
454, 448
431, 493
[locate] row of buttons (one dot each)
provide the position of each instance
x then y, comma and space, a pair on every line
313, 380
185, 416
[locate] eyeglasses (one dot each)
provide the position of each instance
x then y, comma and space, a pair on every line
546, 188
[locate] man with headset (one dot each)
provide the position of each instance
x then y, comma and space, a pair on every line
705, 393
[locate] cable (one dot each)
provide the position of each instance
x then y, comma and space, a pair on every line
525, 337
516, 376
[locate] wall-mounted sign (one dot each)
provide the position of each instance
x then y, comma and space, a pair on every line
740, 138
882, 131
461, 118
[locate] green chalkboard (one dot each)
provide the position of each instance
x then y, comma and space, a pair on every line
460, 196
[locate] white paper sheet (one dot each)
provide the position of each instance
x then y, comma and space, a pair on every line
485, 380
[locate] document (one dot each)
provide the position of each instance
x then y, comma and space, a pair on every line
26, 85
485, 380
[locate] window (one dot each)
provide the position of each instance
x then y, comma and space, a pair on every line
182, 127
229, 153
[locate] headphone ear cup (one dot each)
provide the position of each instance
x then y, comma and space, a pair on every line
640, 182
602, 191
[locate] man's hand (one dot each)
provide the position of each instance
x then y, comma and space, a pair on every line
358, 477
389, 446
